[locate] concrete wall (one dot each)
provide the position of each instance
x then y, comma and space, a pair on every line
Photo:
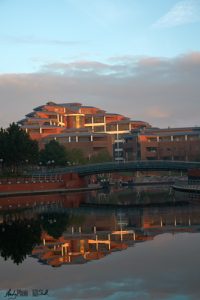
69, 181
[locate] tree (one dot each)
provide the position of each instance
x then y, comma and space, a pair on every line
16, 147
54, 153
55, 223
18, 239
101, 156
76, 156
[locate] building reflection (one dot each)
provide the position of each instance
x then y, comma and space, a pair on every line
60, 231
81, 249
80, 246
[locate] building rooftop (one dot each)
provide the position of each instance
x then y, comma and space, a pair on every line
88, 106
172, 129
70, 104
37, 126
181, 133
77, 133
38, 108
123, 121
31, 114
47, 112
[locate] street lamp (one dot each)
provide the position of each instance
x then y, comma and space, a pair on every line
26, 166
50, 163
40, 165
1, 164
53, 161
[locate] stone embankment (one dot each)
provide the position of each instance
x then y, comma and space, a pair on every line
42, 184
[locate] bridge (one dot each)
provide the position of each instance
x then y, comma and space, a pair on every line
132, 166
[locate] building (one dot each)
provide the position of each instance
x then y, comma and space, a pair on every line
76, 125
91, 143
181, 144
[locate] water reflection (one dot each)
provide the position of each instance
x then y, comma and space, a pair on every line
18, 238
67, 229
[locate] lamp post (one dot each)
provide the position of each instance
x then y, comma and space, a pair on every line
40, 165
26, 161
53, 162
50, 163
1, 165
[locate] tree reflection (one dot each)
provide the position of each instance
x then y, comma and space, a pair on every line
17, 239
55, 223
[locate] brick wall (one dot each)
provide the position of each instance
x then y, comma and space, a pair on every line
69, 181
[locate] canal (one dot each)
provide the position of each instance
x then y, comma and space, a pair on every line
139, 243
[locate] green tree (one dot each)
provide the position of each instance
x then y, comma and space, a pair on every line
76, 156
101, 156
16, 147
54, 153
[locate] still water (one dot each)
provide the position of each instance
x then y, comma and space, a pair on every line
100, 245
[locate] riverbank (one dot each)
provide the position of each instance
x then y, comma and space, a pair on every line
51, 191
132, 184
187, 188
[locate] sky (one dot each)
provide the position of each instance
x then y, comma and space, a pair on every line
140, 58
122, 275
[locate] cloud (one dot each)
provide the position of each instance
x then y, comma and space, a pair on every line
126, 288
162, 91
38, 41
183, 12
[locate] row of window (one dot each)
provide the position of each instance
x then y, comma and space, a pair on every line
109, 127
174, 138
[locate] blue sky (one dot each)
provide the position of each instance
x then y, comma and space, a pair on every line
38, 32
77, 38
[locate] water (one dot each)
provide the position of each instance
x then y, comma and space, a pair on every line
74, 246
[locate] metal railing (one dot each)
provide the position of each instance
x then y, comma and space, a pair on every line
124, 167
35, 178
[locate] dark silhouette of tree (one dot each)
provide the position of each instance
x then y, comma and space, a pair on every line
16, 147
17, 239
53, 153
55, 223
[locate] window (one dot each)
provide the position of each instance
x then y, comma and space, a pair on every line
151, 149
122, 127
111, 127
98, 128
152, 139
88, 119
99, 119
193, 138
165, 138
179, 138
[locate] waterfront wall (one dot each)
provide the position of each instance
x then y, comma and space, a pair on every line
62, 200
68, 181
